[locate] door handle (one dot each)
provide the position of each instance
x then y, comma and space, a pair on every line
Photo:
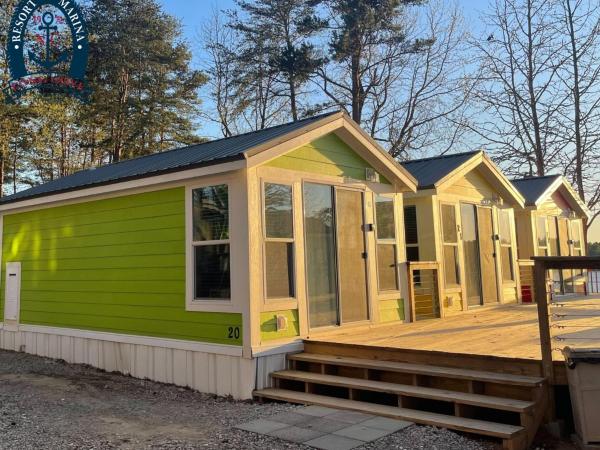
364, 255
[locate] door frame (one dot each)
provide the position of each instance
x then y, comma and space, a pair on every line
335, 186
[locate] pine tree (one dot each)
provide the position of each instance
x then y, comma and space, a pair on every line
144, 93
360, 29
278, 33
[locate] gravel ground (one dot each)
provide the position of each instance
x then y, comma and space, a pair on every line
50, 404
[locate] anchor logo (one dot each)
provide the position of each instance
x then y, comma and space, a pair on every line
49, 67
47, 63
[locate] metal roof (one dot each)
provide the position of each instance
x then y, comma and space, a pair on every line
532, 188
204, 154
428, 171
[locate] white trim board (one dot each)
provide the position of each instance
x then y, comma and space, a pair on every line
217, 349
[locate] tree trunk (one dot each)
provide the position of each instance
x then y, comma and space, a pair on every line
356, 88
576, 104
538, 150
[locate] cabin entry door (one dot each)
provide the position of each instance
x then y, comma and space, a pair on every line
487, 255
470, 243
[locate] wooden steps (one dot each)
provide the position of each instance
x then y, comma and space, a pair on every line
502, 431
402, 390
420, 369
495, 404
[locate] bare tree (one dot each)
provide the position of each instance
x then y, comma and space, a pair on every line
421, 105
519, 86
579, 22
367, 39
218, 41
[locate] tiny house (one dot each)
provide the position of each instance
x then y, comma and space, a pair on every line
463, 217
552, 224
202, 266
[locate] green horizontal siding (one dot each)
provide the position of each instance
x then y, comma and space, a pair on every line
115, 265
268, 325
391, 310
328, 155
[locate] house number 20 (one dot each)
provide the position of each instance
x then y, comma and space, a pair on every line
233, 332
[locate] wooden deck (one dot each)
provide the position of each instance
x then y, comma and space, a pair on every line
498, 333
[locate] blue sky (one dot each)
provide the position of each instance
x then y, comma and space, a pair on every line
193, 12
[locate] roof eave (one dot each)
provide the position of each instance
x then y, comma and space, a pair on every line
216, 162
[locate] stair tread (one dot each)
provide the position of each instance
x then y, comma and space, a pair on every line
465, 398
422, 417
420, 369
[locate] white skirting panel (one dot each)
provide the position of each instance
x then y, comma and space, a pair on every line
212, 373
272, 359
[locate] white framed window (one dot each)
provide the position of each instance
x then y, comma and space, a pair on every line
279, 242
576, 242
450, 245
542, 235
506, 251
211, 256
385, 228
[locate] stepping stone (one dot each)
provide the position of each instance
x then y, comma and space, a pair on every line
383, 423
323, 424
361, 433
296, 434
261, 426
333, 442
351, 417
290, 418
317, 411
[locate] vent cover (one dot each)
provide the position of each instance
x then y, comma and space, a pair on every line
371, 175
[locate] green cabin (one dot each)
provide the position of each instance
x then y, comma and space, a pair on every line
202, 266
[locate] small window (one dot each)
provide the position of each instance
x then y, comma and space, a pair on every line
506, 255
279, 241
450, 241
542, 236
576, 237
387, 264
210, 210
384, 209
576, 240
411, 233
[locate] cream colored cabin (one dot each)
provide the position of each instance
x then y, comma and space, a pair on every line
326, 236
552, 224
462, 216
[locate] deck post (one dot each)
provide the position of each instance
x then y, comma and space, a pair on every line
541, 298
411, 293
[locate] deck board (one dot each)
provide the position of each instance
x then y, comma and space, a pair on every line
503, 331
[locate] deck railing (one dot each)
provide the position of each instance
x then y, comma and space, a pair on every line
565, 320
593, 282
424, 290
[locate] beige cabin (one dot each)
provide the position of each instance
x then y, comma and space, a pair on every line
552, 224
462, 217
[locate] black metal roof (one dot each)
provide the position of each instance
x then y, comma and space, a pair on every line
428, 171
532, 188
204, 154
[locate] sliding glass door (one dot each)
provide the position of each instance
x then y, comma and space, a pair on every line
470, 240
335, 255
320, 254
